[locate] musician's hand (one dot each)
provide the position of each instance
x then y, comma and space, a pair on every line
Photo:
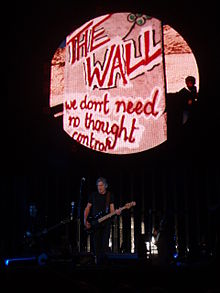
87, 225
118, 212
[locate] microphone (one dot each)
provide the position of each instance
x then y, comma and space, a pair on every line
83, 179
72, 210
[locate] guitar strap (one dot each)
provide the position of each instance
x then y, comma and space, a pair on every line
107, 201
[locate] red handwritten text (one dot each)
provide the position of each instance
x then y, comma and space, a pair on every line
117, 65
89, 38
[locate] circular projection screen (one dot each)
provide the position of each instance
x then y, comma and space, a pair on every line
110, 77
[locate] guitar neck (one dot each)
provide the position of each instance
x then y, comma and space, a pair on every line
110, 215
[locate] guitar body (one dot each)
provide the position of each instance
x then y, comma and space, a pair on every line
94, 221
101, 217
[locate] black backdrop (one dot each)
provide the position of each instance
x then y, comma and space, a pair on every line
42, 164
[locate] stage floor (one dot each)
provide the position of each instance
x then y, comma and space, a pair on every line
119, 273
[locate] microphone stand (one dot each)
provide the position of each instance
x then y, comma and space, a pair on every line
79, 217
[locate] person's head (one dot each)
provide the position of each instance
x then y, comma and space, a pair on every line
190, 82
102, 185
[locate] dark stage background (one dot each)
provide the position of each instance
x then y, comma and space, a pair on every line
44, 165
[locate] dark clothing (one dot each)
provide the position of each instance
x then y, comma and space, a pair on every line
166, 240
179, 111
188, 109
98, 202
100, 236
100, 241
174, 116
187, 95
166, 248
33, 238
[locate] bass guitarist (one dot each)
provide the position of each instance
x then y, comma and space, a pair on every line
100, 202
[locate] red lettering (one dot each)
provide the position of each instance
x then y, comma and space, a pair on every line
105, 75
74, 44
91, 141
97, 70
70, 105
118, 106
130, 108
74, 121
81, 138
100, 106
82, 45
97, 125
117, 63
131, 139
138, 108
149, 108
79, 45
118, 131
145, 60
106, 101
95, 35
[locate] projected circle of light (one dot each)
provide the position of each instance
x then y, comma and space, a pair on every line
110, 75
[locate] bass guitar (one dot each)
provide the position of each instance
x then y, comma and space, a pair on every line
31, 238
96, 221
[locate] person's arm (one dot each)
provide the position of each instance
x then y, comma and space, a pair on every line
194, 96
112, 209
86, 213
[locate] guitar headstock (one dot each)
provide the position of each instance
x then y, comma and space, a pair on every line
130, 204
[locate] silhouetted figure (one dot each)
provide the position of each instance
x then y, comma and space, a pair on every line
181, 108
164, 240
188, 97
141, 246
32, 237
